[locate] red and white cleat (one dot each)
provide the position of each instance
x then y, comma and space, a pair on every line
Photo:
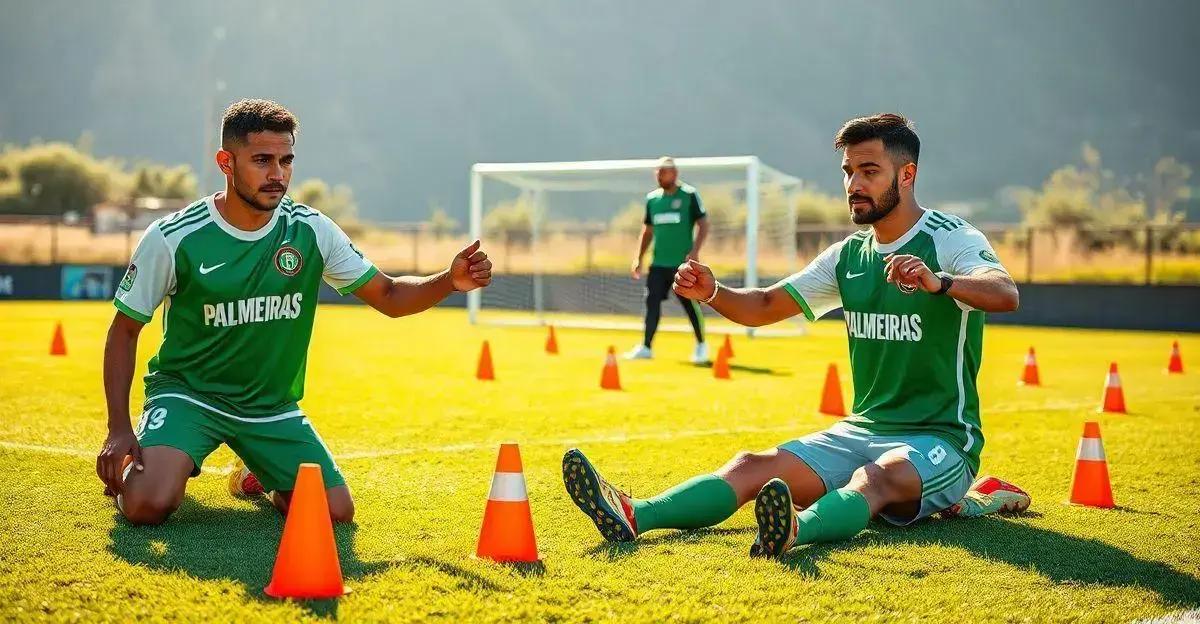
990, 495
243, 483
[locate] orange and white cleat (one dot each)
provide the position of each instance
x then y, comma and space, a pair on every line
990, 495
243, 483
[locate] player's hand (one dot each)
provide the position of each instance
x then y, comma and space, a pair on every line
636, 270
693, 255
109, 463
470, 269
694, 281
910, 272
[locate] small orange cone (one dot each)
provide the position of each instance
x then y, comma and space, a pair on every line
484, 369
1091, 486
610, 379
721, 366
551, 342
1176, 363
1030, 376
307, 565
727, 347
58, 345
831, 396
507, 532
1114, 396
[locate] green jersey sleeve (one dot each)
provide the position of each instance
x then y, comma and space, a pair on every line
149, 278
346, 269
697, 207
815, 287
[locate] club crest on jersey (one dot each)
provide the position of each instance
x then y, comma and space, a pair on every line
130, 275
677, 204
288, 260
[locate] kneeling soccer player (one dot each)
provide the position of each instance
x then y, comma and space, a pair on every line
914, 288
240, 272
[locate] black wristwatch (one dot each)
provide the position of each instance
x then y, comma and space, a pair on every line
947, 282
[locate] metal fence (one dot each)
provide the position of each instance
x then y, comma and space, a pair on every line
1148, 254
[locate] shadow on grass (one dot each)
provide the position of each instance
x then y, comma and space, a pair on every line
742, 368
228, 544
618, 550
1058, 557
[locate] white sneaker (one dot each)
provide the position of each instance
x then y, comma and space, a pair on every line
640, 352
700, 355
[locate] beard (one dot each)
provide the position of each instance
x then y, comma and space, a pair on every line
879, 209
254, 203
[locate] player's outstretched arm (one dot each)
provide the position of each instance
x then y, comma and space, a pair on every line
753, 307
119, 351
401, 296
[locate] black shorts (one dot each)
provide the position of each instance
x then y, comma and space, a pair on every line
658, 282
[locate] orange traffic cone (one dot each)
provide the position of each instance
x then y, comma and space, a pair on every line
727, 347
58, 345
484, 369
507, 532
1114, 396
307, 565
551, 342
721, 366
610, 379
1030, 376
831, 396
1091, 486
1176, 363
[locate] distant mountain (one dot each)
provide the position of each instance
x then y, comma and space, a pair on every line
397, 99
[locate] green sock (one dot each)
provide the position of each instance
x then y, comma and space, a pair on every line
838, 515
699, 502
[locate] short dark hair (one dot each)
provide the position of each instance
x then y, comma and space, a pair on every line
896, 132
254, 115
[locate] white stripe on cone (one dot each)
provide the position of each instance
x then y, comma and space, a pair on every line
1029, 359
1090, 449
1112, 381
508, 487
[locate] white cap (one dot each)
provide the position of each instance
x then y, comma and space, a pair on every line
666, 162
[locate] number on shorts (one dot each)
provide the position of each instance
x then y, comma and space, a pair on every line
937, 455
152, 419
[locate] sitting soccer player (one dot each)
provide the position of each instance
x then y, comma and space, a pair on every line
240, 271
914, 288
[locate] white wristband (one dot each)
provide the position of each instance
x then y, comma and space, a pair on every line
716, 287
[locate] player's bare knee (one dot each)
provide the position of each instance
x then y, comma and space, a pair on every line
878, 483
141, 507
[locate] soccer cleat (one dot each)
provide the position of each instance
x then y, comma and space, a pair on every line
640, 352
243, 483
776, 518
700, 354
990, 495
607, 506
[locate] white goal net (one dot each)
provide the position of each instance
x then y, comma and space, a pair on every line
563, 236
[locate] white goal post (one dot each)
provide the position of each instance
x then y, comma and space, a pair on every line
533, 182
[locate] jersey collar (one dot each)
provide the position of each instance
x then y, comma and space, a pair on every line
892, 247
235, 232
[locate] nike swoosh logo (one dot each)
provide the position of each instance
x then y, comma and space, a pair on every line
284, 242
850, 275
206, 270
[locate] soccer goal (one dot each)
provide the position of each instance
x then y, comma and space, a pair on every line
563, 236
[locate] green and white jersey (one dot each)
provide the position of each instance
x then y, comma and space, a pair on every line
914, 357
673, 216
238, 305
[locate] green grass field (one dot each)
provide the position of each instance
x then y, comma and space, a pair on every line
417, 436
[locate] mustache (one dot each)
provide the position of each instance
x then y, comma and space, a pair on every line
272, 187
856, 197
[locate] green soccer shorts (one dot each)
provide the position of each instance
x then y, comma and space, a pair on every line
272, 447
835, 453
